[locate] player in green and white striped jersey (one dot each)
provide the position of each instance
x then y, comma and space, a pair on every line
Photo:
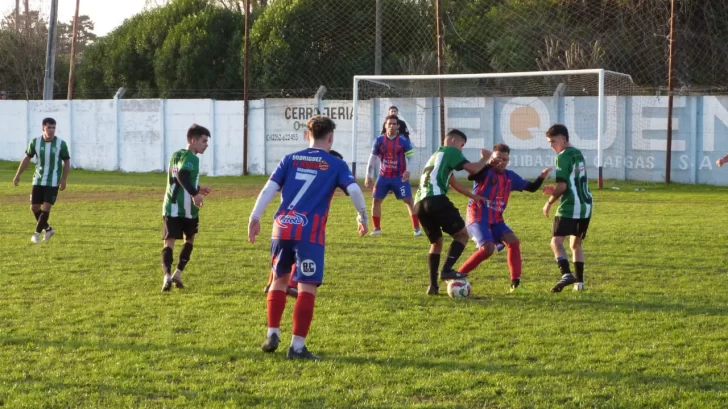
574, 211
437, 213
49, 176
182, 201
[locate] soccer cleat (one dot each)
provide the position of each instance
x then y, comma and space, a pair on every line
177, 279
48, 233
302, 354
266, 289
499, 247
452, 275
376, 232
292, 292
579, 286
418, 232
271, 343
35, 238
167, 283
566, 279
433, 290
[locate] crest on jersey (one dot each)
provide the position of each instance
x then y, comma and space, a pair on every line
323, 165
291, 219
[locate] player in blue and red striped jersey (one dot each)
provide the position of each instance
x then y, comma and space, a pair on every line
484, 220
307, 180
394, 153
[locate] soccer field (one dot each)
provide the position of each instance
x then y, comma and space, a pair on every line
83, 323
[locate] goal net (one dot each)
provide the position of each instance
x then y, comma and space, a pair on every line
512, 108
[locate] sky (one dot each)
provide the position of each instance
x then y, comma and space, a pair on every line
106, 14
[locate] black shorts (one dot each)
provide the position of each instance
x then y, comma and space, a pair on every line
564, 226
176, 227
437, 214
43, 194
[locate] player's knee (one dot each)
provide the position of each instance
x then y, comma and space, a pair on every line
461, 236
35, 208
46, 207
488, 248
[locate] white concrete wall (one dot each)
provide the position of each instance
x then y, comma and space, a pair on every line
140, 135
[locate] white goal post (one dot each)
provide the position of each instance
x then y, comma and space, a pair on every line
514, 108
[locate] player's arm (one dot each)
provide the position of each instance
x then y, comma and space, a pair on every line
64, 175
264, 198
23, 164
184, 179
458, 187
370, 170
534, 185
357, 198
408, 164
555, 193
475, 167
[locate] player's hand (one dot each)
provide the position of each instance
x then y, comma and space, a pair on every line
719, 162
204, 190
362, 229
549, 190
253, 229
367, 182
62, 185
545, 173
479, 199
16, 180
546, 209
197, 200
484, 153
405, 176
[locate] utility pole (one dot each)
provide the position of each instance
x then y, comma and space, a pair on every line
670, 71
72, 70
378, 40
246, 87
27, 15
17, 16
51, 52
440, 88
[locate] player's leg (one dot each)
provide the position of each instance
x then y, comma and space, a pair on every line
404, 193
578, 252
562, 228
190, 227
282, 256
292, 289
36, 200
483, 238
381, 189
49, 199
172, 230
434, 235
454, 225
515, 262
309, 275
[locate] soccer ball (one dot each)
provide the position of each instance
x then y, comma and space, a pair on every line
458, 288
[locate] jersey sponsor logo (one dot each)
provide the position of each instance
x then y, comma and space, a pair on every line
323, 165
307, 158
313, 165
308, 267
291, 219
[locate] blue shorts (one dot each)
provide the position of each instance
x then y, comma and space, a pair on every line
402, 190
482, 232
308, 259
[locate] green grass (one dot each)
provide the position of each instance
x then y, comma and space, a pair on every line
82, 322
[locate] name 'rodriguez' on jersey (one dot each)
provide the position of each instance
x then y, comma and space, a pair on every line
309, 179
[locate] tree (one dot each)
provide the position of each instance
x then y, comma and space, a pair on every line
84, 38
200, 58
22, 55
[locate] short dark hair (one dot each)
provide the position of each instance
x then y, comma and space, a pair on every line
196, 131
557, 130
388, 117
458, 133
49, 121
502, 147
320, 126
393, 107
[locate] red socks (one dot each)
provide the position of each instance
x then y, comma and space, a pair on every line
276, 306
415, 221
375, 221
302, 313
474, 261
514, 260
